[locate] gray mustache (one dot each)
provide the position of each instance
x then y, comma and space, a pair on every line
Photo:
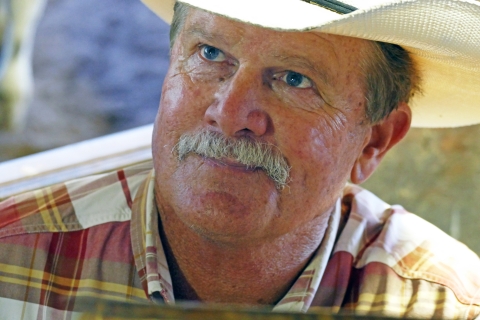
252, 154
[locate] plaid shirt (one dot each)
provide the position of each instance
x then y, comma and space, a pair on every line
98, 237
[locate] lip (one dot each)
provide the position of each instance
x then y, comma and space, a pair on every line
230, 163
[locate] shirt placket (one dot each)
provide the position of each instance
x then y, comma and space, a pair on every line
150, 259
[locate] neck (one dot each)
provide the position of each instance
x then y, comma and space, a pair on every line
258, 273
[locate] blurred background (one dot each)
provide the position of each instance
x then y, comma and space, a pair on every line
98, 68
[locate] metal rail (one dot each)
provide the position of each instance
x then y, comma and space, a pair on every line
76, 160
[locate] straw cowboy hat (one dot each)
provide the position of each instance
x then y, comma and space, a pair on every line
443, 36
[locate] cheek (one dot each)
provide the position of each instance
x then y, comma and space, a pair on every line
177, 98
183, 104
310, 143
320, 156
178, 113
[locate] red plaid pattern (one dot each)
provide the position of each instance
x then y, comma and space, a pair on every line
98, 237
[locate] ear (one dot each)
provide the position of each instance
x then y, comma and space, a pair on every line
382, 137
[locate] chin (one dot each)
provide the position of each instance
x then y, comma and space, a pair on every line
224, 217
218, 204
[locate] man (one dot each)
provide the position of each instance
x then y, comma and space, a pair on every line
257, 133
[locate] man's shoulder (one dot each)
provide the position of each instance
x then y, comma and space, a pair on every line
74, 205
70, 240
376, 233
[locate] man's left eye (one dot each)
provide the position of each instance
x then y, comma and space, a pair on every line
212, 53
295, 79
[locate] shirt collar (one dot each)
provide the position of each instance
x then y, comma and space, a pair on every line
152, 264
300, 295
150, 259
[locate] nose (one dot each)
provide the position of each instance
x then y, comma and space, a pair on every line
238, 106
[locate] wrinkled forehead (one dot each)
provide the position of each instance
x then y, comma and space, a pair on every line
312, 45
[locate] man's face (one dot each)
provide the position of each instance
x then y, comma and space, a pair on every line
300, 93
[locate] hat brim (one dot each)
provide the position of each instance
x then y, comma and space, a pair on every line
443, 37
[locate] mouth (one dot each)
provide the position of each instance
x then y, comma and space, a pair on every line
231, 164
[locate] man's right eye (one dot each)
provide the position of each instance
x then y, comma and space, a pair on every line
212, 54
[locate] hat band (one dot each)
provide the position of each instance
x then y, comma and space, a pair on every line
333, 5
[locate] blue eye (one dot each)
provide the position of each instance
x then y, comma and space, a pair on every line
212, 53
295, 79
